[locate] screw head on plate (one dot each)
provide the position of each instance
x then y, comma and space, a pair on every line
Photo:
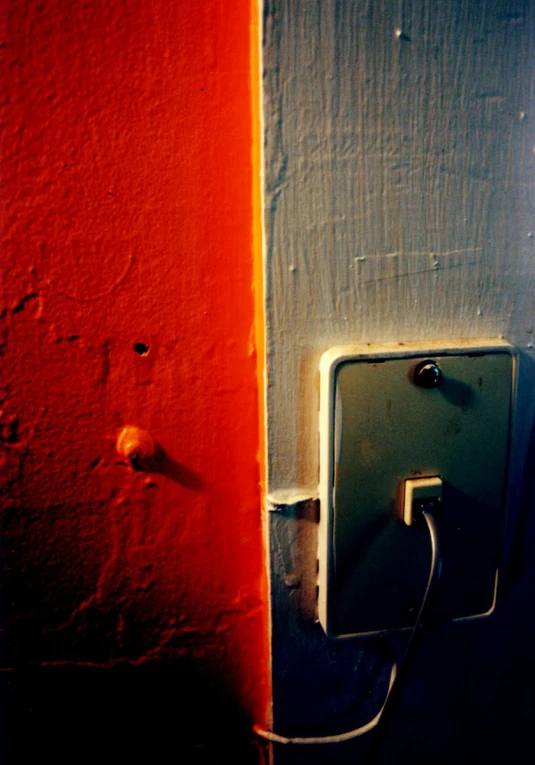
427, 374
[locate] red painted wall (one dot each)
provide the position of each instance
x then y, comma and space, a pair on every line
128, 219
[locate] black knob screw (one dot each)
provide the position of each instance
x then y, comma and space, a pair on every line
427, 374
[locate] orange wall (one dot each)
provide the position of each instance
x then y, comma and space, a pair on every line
128, 178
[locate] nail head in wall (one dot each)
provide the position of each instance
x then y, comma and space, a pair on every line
137, 446
141, 349
400, 34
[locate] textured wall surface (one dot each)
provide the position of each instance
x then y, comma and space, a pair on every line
399, 185
133, 602
399, 179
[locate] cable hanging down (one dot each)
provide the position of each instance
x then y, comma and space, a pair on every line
434, 572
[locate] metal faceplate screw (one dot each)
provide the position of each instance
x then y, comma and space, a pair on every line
427, 374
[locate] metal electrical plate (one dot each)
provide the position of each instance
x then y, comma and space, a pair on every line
377, 428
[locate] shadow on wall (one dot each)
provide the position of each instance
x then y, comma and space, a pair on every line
126, 669
492, 706
149, 714
141, 452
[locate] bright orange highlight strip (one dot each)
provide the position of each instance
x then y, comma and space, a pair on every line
258, 292
258, 264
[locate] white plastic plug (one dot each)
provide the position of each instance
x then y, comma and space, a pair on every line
428, 489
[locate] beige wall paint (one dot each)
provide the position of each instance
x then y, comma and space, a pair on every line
399, 180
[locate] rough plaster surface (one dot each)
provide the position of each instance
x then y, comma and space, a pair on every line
399, 173
127, 188
399, 181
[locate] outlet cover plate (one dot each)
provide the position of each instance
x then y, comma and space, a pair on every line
377, 428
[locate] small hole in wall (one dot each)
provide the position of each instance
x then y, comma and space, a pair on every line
141, 349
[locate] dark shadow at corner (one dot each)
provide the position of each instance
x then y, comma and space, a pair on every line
136, 714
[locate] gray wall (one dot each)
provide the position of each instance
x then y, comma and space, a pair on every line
399, 179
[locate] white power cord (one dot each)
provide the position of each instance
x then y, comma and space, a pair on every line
434, 570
